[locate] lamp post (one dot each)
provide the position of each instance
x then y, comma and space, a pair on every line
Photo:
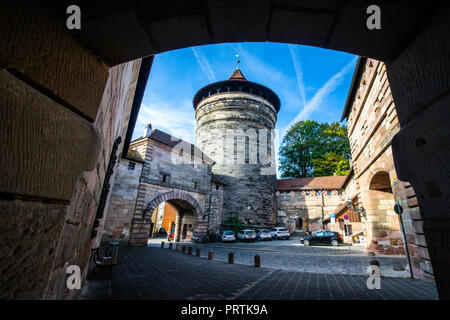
399, 210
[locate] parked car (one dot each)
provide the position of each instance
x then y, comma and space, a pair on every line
324, 237
247, 235
263, 234
227, 236
279, 233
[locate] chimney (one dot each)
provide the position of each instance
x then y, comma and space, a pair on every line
148, 130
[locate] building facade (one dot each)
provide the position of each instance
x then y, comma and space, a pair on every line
229, 172
374, 190
303, 203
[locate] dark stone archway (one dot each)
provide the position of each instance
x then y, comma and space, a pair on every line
178, 198
414, 41
185, 205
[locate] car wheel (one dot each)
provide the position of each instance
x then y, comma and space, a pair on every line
306, 243
334, 243
275, 237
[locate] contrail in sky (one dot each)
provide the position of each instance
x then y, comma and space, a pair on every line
298, 72
203, 63
321, 94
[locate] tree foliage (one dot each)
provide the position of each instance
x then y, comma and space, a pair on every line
312, 149
236, 224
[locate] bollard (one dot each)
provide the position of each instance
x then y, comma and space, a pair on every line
183, 249
231, 258
257, 261
189, 250
162, 244
177, 247
170, 246
210, 255
197, 252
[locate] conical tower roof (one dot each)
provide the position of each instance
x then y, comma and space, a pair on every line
237, 83
237, 75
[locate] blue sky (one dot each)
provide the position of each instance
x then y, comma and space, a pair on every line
312, 83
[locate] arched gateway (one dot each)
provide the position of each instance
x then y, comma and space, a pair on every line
189, 214
67, 97
176, 197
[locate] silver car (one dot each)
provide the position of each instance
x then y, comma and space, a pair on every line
247, 235
279, 233
228, 236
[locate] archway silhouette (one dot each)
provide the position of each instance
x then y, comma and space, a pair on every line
413, 41
186, 207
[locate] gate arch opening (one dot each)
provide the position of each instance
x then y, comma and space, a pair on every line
187, 213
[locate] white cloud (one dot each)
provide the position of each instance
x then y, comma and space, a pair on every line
298, 72
177, 120
204, 63
321, 94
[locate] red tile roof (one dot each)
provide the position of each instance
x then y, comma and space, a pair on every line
312, 183
171, 141
237, 75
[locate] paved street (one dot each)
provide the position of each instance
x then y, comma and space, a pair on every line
163, 274
293, 256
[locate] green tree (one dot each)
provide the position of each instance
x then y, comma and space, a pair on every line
236, 224
310, 149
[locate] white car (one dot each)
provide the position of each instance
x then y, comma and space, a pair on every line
228, 236
247, 235
263, 234
279, 233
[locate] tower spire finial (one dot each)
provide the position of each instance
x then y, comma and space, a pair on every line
237, 61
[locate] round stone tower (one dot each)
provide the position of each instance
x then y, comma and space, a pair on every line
235, 127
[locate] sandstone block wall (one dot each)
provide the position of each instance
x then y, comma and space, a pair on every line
234, 129
308, 208
372, 124
75, 243
122, 202
191, 180
59, 124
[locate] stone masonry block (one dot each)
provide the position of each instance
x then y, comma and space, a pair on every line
38, 129
36, 43
29, 235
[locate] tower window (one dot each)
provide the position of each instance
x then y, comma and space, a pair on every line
165, 177
131, 165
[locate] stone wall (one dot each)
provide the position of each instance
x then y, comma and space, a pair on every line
122, 202
183, 181
216, 207
235, 130
75, 244
372, 124
308, 208
58, 126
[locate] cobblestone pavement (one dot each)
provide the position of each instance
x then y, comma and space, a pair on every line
292, 256
163, 274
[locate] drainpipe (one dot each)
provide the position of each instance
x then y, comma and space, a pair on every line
323, 216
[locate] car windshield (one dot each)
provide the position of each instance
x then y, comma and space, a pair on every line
282, 229
228, 233
265, 231
249, 232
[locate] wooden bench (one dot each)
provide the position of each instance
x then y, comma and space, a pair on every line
106, 258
